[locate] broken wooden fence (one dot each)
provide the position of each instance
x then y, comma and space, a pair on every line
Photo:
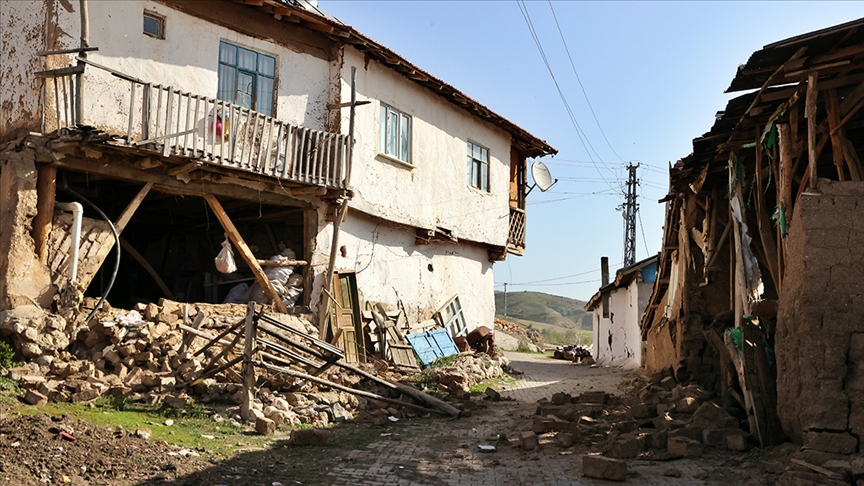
285, 349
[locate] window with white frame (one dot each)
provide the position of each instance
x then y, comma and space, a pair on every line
246, 77
395, 134
478, 166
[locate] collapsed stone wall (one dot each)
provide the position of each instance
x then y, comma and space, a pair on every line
820, 338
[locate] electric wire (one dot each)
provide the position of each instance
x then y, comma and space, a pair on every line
579, 132
584, 93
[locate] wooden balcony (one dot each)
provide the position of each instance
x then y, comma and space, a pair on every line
516, 237
174, 123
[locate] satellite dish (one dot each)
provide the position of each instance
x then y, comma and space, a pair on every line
542, 177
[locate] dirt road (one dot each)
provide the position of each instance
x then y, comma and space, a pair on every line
441, 451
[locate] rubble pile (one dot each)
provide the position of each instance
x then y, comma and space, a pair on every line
143, 355
576, 354
527, 337
665, 421
467, 371
35, 333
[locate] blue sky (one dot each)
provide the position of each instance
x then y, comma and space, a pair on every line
654, 73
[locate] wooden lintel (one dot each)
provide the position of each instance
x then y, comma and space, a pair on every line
245, 253
183, 169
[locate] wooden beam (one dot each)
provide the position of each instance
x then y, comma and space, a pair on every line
46, 190
810, 115
245, 252
838, 138
146, 265
248, 350
124, 218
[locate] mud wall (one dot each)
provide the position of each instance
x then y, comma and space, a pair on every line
820, 338
23, 280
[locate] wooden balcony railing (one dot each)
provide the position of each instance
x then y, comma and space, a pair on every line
516, 237
172, 122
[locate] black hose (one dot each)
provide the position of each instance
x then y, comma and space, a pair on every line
116, 248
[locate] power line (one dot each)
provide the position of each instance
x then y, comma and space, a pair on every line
584, 93
579, 132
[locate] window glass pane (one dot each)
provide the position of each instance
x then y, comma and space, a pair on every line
226, 83
406, 139
264, 100
382, 136
475, 173
484, 177
470, 168
247, 59
266, 65
484, 155
245, 89
476, 154
227, 53
470, 149
392, 133
152, 26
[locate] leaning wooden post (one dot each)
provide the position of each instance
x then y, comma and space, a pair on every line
46, 185
248, 367
810, 115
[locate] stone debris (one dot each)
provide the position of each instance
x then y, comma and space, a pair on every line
604, 468
467, 371
143, 355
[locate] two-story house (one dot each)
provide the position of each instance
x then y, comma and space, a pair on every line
265, 120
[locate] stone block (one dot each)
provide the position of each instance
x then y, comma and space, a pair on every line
600, 467
561, 398
626, 447
528, 441
33, 397
736, 442
668, 383
600, 397
656, 439
717, 437
308, 437
86, 395
684, 447
837, 443
565, 439
711, 416
687, 405
642, 411
690, 432
265, 426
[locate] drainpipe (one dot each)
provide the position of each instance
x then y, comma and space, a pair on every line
77, 214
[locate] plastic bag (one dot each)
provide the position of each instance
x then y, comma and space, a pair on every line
225, 259
278, 274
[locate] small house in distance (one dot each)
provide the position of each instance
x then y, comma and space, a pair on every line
617, 310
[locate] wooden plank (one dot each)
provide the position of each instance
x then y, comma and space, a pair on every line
820, 470
832, 109
248, 367
127, 214
245, 252
336, 386
810, 115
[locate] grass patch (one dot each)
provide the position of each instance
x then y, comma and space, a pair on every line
445, 361
494, 383
191, 423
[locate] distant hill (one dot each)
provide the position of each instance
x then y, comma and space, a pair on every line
537, 307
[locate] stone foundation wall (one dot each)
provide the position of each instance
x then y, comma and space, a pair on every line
820, 323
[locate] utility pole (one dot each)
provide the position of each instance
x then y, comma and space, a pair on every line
505, 301
630, 209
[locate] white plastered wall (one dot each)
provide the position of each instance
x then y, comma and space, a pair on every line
186, 59
22, 25
434, 191
390, 267
618, 338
